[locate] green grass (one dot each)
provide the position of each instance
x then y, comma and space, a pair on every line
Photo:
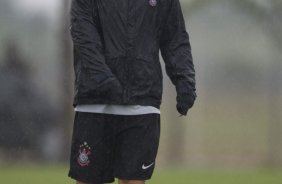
57, 175
218, 177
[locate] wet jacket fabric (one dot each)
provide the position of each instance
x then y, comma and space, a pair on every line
116, 46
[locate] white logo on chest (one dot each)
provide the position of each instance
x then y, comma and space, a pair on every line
153, 2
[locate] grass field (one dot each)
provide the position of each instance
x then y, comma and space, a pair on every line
57, 175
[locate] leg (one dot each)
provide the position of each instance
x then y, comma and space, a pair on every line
136, 148
91, 149
78, 182
131, 182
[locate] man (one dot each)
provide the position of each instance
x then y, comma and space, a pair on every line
119, 85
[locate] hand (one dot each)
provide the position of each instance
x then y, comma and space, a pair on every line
116, 87
185, 97
184, 103
111, 87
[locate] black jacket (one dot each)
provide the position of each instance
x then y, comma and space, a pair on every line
116, 51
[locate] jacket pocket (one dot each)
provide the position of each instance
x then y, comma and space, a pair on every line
144, 79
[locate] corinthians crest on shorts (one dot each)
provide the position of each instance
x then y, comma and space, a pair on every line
153, 2
83, 157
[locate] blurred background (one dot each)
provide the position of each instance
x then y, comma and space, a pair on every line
233, 134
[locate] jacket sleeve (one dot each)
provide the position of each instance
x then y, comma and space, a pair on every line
176, 52
87, 43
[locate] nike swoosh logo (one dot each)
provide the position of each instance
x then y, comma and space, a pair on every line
147, 166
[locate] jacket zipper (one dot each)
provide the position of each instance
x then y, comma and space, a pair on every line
127, 53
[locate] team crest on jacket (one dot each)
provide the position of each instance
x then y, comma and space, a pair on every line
83, 157
153, 2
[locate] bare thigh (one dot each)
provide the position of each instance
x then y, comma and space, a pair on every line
78, 182
131, 182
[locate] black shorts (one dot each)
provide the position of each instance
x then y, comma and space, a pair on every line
108, 146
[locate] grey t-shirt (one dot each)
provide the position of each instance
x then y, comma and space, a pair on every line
117, 109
